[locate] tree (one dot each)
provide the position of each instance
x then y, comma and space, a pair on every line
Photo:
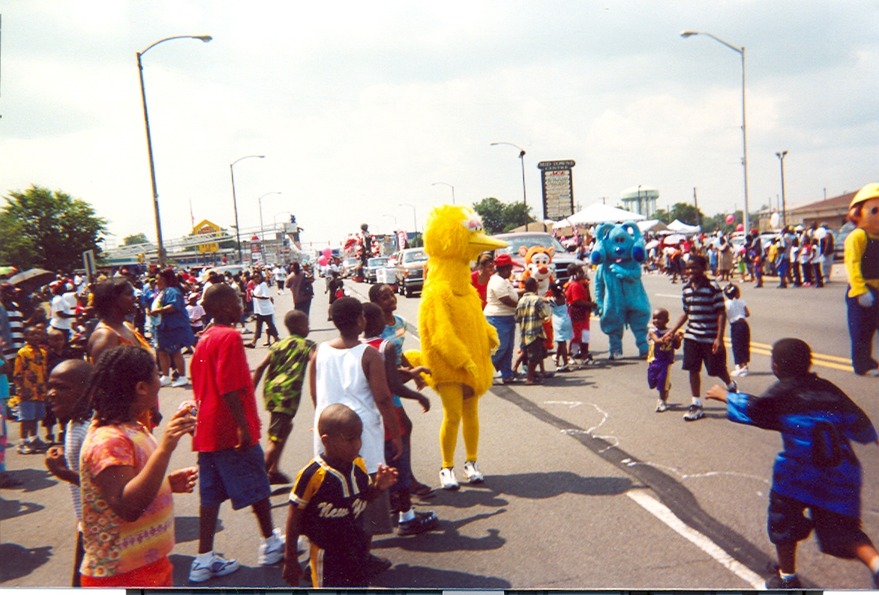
683, 212
48, 229
133, 240
498, 217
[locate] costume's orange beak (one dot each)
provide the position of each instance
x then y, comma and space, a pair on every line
479, 242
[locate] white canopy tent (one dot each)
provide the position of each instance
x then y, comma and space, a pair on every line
601, 213
680, 227
653, 225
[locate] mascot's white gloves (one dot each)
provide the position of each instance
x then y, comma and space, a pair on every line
866, 299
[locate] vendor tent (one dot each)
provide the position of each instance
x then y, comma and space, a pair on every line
601, 213
652, 225
680, 227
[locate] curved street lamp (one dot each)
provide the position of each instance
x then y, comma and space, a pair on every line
235, 199
741, 52
522, 161
446, 184
146, 120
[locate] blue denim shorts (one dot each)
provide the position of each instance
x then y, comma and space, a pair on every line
232, 475
31, 410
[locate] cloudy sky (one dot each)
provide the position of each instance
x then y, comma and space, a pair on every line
360, 107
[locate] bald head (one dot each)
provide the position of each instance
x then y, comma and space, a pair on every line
75, 370
338, 419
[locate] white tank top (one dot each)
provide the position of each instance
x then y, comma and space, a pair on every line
340, 379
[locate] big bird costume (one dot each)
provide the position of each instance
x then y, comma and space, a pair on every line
456, 340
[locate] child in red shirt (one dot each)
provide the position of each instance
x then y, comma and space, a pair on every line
580, 309
230, 459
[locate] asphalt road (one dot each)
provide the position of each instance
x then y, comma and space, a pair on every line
586, 486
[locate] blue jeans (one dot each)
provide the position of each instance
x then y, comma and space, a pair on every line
862, 325
506, 332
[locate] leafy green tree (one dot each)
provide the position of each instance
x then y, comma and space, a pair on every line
683, 212
49, 229
132, 240
498, 217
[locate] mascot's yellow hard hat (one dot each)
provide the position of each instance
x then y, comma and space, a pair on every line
864, 194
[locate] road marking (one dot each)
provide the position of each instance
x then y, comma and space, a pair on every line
662, 512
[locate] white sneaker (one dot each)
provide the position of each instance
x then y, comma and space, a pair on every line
271, 550
737, 372
661, 406
743, 371
447, 479
217, 566
472, 472
164, 381
181, 381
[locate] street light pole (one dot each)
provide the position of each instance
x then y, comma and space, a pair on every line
522, 162
450, 186
146, 120
741, 52
414, 219
781, 155
262, 229
235, 200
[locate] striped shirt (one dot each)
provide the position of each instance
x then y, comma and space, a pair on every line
531, 311
703, 304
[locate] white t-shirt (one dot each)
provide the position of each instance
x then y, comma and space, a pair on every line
735, 310
61, 306
262, 307
497, 288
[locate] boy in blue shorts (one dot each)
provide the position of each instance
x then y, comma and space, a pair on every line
30, 376
817, 469
327, 502
284, 367
231, 465
660, 357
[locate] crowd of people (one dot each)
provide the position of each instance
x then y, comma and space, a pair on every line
88, 361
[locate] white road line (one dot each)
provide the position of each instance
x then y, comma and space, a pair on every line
664, 514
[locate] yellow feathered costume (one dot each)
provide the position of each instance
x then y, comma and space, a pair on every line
456, 340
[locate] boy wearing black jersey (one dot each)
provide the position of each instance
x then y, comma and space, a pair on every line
327, 502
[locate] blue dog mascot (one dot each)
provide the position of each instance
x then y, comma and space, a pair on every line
618, 253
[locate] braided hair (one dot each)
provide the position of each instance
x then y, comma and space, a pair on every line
116, 374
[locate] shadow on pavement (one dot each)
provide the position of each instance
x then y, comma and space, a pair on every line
20, 561
422, 577
9, 509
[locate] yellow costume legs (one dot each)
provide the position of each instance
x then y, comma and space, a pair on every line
471, 427
457, 409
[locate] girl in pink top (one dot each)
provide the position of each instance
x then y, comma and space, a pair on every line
127, 508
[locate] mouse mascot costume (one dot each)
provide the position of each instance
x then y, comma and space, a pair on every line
456, 340
619, 292
862, 267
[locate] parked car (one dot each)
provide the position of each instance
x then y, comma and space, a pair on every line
409, 270
560, 260
349, 267
839, 240
372, 267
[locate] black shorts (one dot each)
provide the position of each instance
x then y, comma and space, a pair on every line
280, 426
535, 351
696, 353
836, 533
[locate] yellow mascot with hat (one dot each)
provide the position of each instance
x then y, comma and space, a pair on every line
862, 267
456, 340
